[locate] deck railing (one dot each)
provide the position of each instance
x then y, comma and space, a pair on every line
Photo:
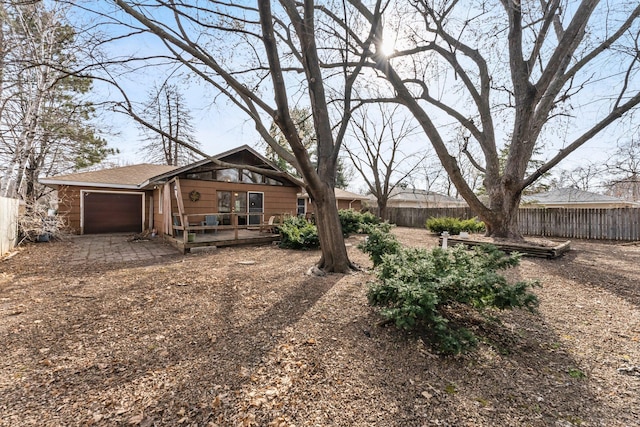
192, 223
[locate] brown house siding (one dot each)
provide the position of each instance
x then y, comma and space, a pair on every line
277, 199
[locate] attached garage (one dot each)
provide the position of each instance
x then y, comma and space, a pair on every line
112, 212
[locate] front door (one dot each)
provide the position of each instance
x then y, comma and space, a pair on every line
256, 205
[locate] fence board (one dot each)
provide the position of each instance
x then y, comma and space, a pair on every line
8, 224
581, 223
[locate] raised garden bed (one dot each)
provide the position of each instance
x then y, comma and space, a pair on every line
548, 250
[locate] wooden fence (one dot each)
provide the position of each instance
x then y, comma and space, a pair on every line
8, 224
416, 217
600, 224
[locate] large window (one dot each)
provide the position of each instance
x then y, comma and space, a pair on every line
224, 201
228, 175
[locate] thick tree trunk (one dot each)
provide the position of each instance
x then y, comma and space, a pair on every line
382, 209
503, 221
334, 252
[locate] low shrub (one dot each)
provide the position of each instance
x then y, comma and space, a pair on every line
421, 289
454, 225
352, 221
298, 233
379, 242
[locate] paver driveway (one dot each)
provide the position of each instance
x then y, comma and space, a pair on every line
116, 248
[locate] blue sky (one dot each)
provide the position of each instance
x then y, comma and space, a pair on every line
220, 126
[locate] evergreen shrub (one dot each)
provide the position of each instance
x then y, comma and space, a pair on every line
298, 233
352, 221
426, 289
454, 225
379, 242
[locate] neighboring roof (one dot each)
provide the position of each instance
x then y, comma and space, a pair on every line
420, 196
130, 177
571, 196
341, 195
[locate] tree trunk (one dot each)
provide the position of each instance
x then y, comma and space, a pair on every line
503, 221
334, 252
382, 209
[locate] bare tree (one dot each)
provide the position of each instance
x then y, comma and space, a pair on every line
253, 55
376, 153
45, 120
625, 168
166, 108
509, 72
587, 177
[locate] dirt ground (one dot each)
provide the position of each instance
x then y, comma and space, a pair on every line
242, 337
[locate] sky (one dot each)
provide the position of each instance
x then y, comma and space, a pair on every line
220, 126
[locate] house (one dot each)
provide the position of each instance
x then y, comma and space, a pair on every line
168, 198
573, 198
414, 198
344, 200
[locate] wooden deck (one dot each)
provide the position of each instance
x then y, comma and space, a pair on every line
221, 238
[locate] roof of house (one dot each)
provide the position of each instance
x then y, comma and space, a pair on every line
134, 176
139, 176
341, 195
258, 156
569, 196
420, 196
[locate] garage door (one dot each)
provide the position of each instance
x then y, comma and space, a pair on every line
112, 213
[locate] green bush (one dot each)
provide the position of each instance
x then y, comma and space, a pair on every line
419, 289
454, 225
352, 221
379, 242
298, 233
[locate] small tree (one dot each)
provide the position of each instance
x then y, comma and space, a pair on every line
167, 109
376, 153
625, 168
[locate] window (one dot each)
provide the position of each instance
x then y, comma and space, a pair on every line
302, 206
224, 201
240, 204
252, 177
228, 175
272, 181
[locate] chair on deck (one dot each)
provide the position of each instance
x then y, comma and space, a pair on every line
210, 220
176, 223
269, 227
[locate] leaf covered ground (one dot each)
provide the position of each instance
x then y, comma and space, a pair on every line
242, 337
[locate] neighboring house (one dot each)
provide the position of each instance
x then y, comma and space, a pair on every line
414, 198
344, 200
573, 198
143, 197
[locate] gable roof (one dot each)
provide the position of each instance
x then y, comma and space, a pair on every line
341, 195
571, 196
260, 160
129, 177
139, 176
